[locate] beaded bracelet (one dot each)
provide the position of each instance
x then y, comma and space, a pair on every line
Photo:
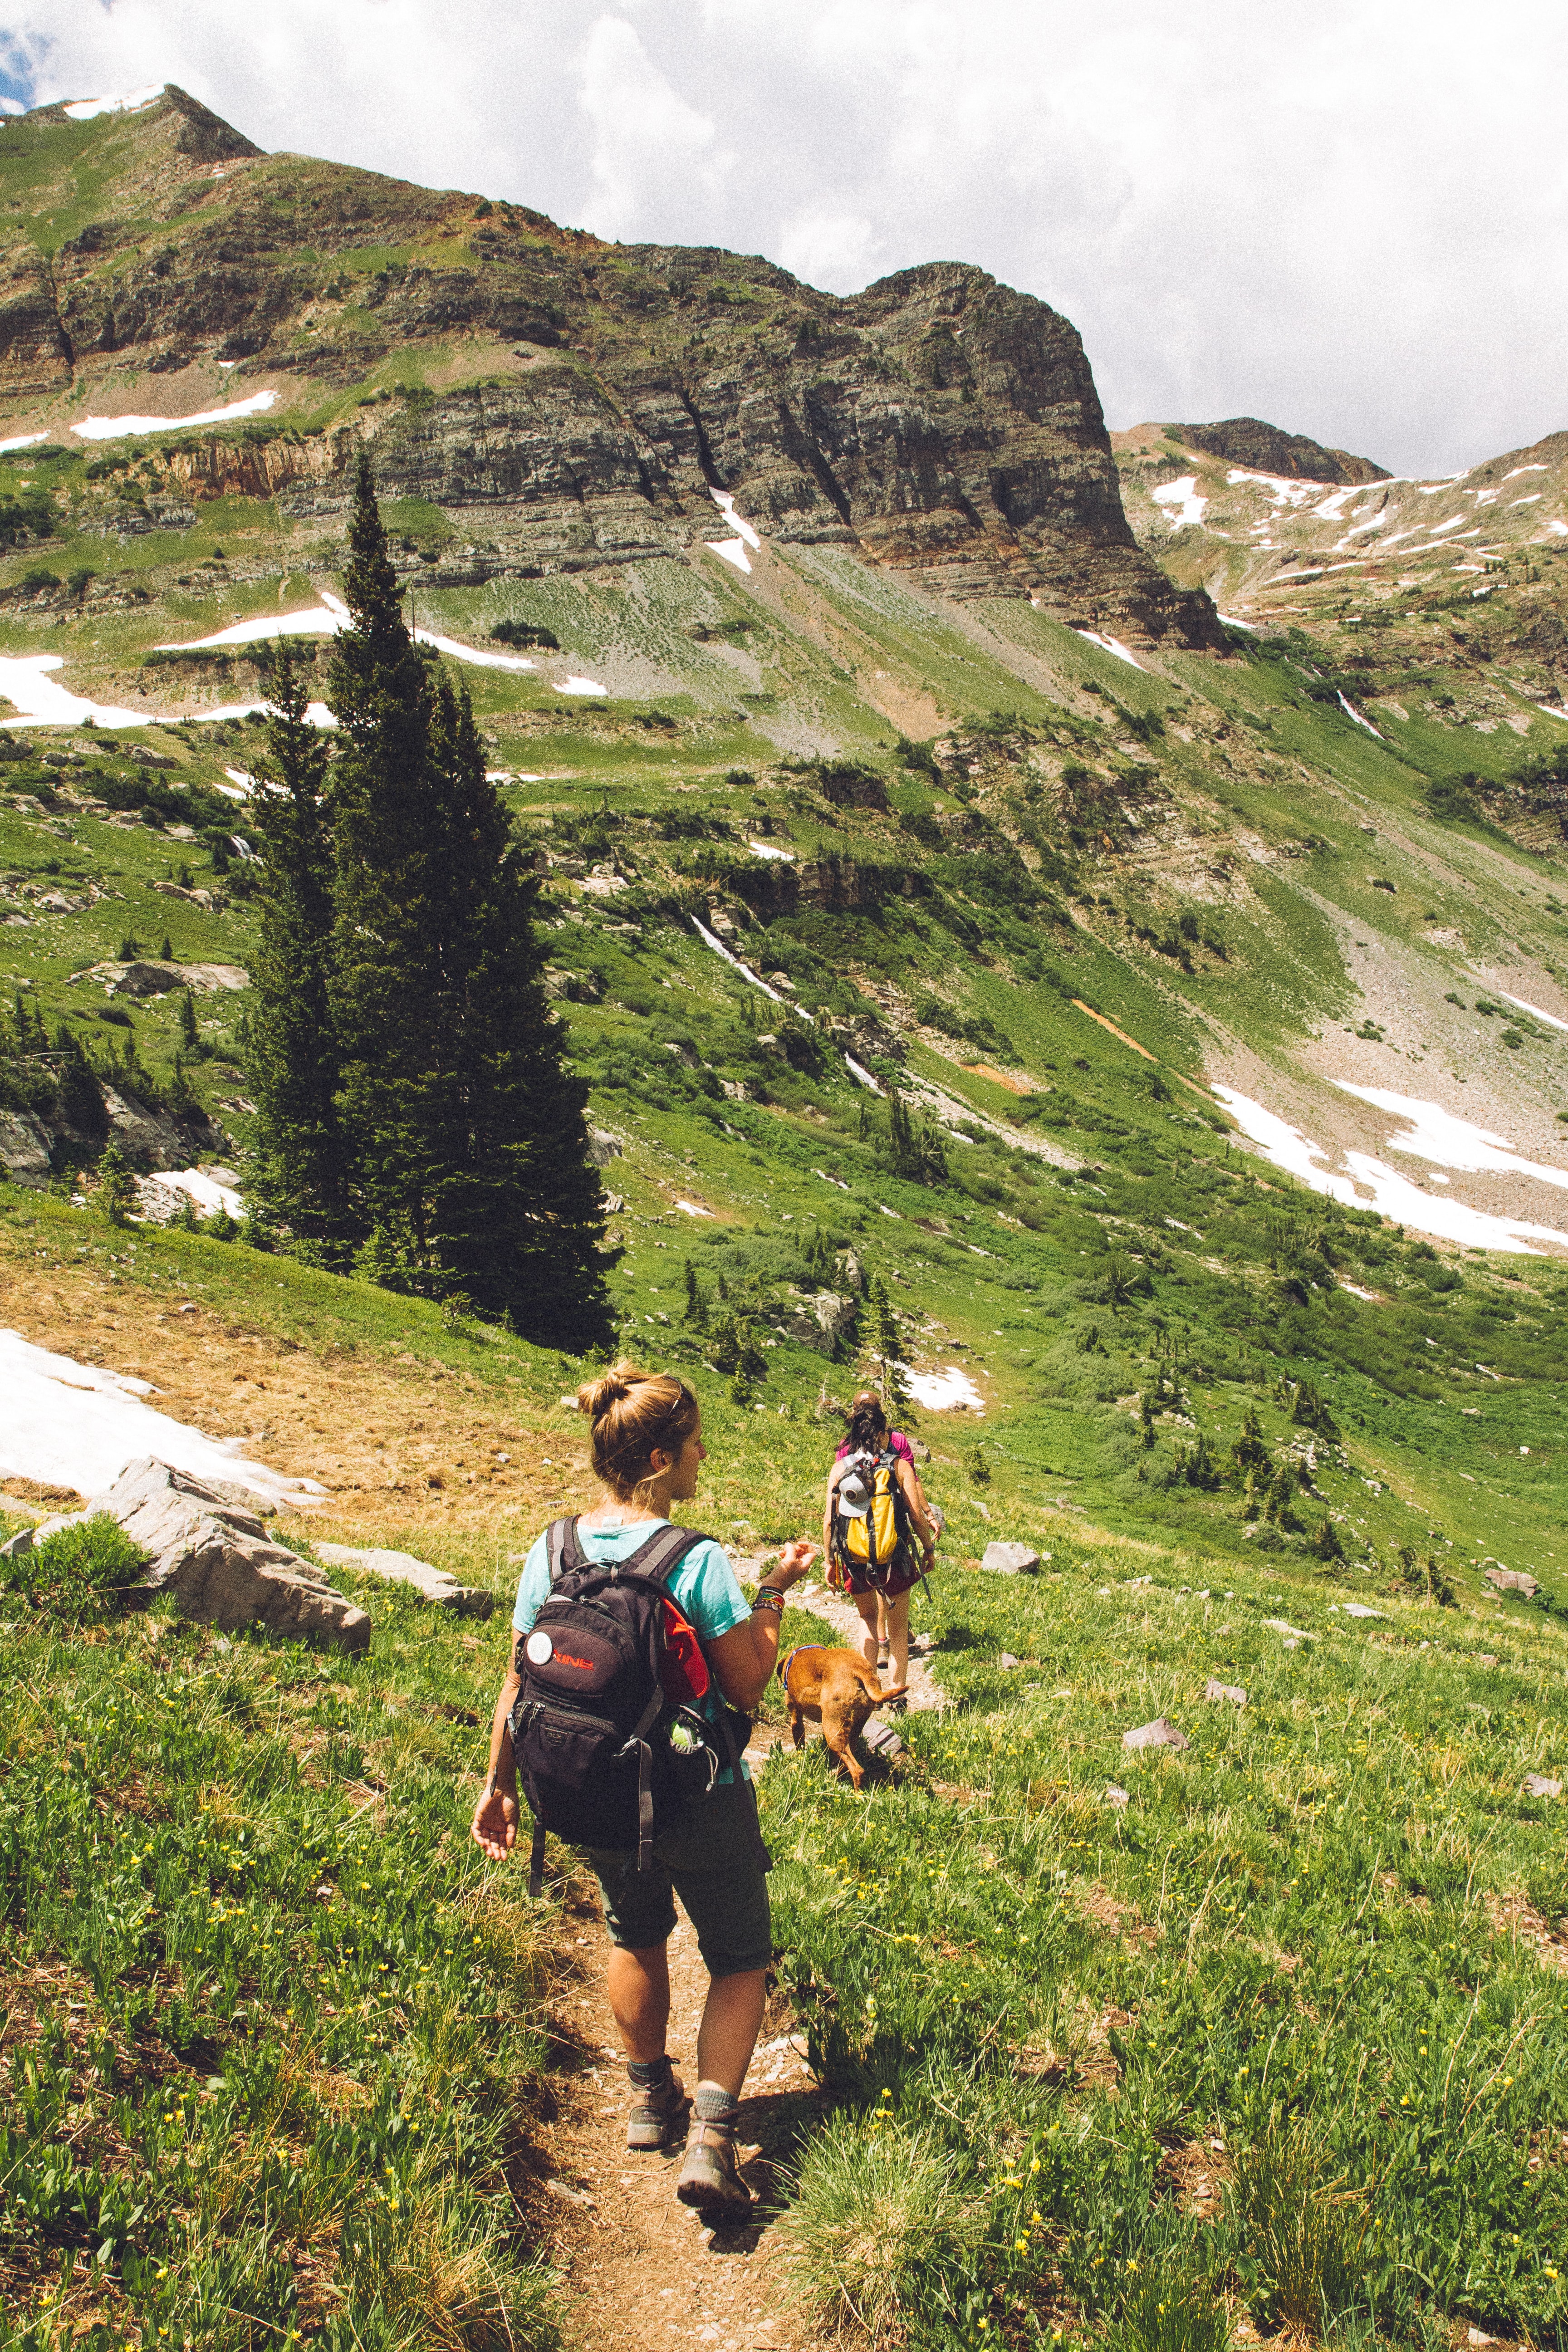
768, 1596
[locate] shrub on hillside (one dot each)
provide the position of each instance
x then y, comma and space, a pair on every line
523, 633
79, 1573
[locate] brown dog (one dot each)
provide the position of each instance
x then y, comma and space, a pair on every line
838, 1690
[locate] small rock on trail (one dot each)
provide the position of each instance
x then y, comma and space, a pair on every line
1161, 1733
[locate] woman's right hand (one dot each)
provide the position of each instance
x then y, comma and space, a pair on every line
494, 1825
795, 1561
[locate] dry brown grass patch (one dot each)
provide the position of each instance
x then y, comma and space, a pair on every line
1513, 1915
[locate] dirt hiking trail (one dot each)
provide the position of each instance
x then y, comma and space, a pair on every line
640, 2271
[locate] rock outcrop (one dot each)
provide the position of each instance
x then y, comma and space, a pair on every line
430, 1584
1010, 1560
1266, 449
213, 1555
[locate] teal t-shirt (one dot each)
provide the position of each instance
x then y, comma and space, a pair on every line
704, 1589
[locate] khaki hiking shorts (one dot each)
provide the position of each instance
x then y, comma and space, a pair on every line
708, 1857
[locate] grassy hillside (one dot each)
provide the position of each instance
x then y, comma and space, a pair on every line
1262, 2034
274, 2060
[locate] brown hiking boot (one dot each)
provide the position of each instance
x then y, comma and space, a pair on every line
710, 2179
659, 2117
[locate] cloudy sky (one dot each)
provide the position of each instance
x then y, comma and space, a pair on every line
1346, 215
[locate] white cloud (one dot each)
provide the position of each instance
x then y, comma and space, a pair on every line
1342, 218
831, 249
652, 154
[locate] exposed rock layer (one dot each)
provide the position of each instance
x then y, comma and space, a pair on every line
940, 422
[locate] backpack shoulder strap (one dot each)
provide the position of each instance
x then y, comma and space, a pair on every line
661, 1555
563, 1553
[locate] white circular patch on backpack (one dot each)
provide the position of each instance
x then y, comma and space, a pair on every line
538, 1649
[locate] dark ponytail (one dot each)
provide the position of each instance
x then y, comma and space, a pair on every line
868, 1431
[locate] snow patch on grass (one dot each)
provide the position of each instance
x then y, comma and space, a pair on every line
941, 1392
38, 698
1366, 1183
69, 1424
1110, 644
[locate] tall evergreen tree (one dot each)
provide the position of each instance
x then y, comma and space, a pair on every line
470, 1133
302, 1160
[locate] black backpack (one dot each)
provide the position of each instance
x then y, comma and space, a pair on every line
605, 1756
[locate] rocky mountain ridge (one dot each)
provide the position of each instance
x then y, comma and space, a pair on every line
576, 405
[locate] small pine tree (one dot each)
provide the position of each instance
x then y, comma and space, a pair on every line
78, 1095
129, 948
978, 1467
722, 1344
185, 1217
1326, 1544
1249, 1450
884, 1344
1278, 1499
190, 1035
181, 1094
116, 1185
166, 952
302, 1162
750, 1362
696, 1305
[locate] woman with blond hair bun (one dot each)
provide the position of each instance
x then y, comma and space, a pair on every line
714, 1652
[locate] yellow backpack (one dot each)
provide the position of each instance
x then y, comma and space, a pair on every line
868, 1537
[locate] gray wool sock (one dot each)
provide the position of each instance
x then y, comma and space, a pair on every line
714, 2106
650, 2074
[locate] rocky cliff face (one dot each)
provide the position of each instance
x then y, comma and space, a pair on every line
1265, 449
578, 402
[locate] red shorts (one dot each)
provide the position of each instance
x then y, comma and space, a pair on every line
903, 1577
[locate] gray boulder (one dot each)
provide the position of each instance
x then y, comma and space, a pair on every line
432, 1584
1009, 1560
24, 1147
1537, 1784
1513, 1579
1161, 1733
1214, 1691
820, 1318
212, 1554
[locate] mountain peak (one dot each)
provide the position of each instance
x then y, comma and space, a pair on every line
199, 135
1268, 449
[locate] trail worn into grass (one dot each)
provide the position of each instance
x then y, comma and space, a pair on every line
641, 2273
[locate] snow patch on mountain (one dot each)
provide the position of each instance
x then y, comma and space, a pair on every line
116, 428
1363, 1183
87, 109
1182, 495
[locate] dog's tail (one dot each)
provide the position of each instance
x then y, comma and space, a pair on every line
867, 1677
896, 1692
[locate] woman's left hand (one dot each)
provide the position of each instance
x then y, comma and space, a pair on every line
795, 1559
